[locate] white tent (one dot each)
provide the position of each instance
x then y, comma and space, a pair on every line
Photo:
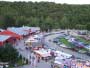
62, 54
31, 39
58, 60
43, 52
38, 36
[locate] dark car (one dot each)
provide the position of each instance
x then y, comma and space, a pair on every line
58, 43
55, 40
74, 49
88, 53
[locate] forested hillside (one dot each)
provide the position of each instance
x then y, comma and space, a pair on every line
47, 15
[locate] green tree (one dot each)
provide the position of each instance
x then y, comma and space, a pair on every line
64, 22
48, 23
20, 21
47, 15
88, 27
33, 21
9, 21
8, 54
2, 21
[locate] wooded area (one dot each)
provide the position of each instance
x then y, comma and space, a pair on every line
46, 15
8, 54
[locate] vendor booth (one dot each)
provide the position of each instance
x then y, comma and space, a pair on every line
30, 40
62, 54
62, 59
13, 36
43, 52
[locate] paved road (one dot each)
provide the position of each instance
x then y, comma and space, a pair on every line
42, 64
51, 44
26, 54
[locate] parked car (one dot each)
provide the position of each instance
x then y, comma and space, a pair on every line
55, 40
87, 47
82, 33
82, 52
58, 43
88, 53
74, 49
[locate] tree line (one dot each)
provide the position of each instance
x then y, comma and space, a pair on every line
47, 15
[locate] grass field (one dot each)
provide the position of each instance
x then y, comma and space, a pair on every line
83, 40
65, 41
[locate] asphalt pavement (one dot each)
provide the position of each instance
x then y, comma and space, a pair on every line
53, 45
25, 53
42, 64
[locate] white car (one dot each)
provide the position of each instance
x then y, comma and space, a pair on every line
87, 47
59, 43
1, 66
63, 45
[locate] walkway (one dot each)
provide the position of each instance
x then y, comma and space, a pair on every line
26, 54
42, 64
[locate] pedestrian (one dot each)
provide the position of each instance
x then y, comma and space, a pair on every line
65, 66
52, 54
52, 64
35, 62
38, 59
32, 59
46, 59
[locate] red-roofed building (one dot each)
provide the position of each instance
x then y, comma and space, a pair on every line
3, 39
13, 36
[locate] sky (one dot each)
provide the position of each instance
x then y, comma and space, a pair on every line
57, 1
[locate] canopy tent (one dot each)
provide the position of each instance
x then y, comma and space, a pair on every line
43, 52
31, 40
12, 34
58, 60
3, 38
37, 37
62, 54
62, 58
